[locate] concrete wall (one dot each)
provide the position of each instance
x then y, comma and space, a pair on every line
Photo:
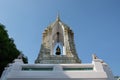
100, 71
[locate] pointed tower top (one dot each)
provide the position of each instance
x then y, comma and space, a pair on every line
58, 17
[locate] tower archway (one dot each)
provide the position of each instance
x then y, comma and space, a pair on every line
57, 39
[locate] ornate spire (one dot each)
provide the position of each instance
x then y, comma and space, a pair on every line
94, 56
58, 17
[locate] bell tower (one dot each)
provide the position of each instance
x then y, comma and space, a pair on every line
57, 45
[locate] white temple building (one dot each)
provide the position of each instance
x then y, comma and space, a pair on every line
58, 60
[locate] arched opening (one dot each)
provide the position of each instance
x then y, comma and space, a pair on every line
57, 45
58, 49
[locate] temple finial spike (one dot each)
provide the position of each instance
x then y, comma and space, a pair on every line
58, 17
94, 56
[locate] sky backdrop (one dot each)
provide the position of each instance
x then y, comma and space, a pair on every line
96, 26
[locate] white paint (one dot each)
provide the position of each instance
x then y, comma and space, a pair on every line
100, 71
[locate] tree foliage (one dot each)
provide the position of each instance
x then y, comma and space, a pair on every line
8, 50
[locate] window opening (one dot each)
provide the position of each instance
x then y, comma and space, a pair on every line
75, 69
37, 69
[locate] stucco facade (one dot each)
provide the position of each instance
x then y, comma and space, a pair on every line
57, 34
97, 70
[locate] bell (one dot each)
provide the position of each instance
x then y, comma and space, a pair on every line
58, 51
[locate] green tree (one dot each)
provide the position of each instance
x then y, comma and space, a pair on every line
8, 50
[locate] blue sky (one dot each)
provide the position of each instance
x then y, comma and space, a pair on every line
96, 26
